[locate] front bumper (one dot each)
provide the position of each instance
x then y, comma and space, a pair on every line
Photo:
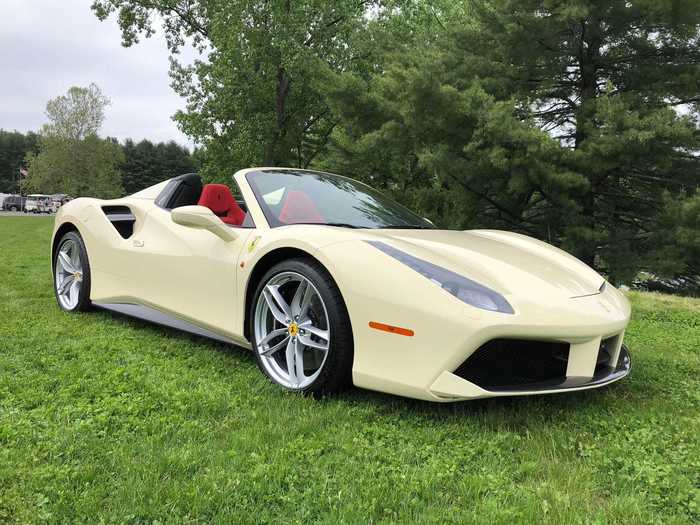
414, 367
451, 387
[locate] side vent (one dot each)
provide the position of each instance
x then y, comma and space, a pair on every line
121, 218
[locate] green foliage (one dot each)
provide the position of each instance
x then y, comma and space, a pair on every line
675, 242
14, 146
84, 168
556, 119
77, 114
258, 95
109, 420
563, 120
72, 159
146, 163
138, 164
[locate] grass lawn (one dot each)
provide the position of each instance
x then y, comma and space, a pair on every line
109, 420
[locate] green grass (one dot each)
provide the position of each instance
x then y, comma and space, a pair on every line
109, 420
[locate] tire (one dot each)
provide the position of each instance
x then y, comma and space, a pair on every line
77, 294
13, 208
330, 370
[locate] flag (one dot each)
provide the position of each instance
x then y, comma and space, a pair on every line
23, 172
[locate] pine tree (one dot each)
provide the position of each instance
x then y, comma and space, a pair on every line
564, 120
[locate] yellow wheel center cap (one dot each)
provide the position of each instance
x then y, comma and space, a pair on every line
293, 329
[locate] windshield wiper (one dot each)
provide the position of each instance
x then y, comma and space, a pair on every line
405, 227
339, 224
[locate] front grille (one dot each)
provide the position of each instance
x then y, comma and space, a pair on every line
505, 364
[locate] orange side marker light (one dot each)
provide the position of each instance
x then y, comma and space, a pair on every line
391, 329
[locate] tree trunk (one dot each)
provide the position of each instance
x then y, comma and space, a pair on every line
589, 42
273, 155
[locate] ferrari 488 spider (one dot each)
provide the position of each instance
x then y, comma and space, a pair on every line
330, 283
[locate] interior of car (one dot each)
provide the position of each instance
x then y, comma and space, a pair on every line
187, 190
289, 205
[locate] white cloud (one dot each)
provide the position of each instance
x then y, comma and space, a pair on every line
49, 45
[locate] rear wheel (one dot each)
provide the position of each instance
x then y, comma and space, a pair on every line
13, 208
72, 273
300, 328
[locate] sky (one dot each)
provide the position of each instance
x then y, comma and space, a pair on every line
47, 46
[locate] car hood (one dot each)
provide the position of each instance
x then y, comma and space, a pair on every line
509, 263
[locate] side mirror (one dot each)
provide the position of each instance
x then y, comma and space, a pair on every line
202, 218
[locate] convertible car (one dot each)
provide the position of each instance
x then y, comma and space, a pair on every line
330, 283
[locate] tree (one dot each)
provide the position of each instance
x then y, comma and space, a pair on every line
14, 147
604, 77
77, 114
72, 159
88, 167
557, 119
259, 94
146, 163
567, 120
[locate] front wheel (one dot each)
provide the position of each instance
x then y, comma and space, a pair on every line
300, 328
72, 273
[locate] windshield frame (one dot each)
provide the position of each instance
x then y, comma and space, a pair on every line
274, 222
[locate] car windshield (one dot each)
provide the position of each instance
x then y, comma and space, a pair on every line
310, 197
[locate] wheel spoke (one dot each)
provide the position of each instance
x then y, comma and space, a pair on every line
75, 257
272, 335
74, 291
299, 363
269, 351
298, 297
306, 302
65, 262
307, 341
291, 368
318, 332
278, 306
65, 284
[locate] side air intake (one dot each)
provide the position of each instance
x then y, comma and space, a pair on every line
121, 218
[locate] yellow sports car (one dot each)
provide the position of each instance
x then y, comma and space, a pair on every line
330, 283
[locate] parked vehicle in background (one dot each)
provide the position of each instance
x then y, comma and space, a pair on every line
31, 204
14, 203
2, 199
58, 200
39, 203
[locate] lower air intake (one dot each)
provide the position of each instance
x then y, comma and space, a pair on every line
513, 364
604, 360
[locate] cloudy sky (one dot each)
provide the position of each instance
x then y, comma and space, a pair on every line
50, 45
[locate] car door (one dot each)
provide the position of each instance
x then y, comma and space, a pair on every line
187, 272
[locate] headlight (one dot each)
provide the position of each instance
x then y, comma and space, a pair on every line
464, 289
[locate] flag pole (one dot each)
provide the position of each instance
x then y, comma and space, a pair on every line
19, 188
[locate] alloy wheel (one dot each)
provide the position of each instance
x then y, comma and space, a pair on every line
292, 330
69, 274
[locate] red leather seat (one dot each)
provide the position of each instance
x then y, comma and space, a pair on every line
218, 198
298, 207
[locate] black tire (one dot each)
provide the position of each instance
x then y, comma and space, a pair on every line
336, 374
84, 302
13, 208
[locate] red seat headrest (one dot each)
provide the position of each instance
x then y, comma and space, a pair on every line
218, 198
